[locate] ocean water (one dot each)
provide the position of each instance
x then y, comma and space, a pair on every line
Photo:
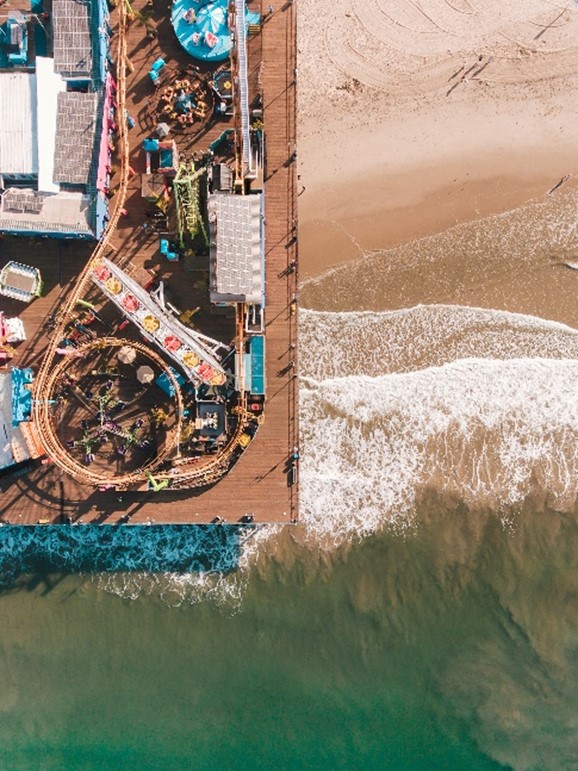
453, 646
422, 615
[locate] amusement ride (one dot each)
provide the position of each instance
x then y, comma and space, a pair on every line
90, 409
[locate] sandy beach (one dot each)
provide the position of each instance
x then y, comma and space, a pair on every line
438, 197
415, 117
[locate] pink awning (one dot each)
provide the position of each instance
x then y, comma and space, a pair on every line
104, 153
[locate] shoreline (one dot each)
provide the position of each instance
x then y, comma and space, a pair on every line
515, 261
347, 212
330, 242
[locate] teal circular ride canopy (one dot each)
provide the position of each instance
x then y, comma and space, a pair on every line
202, 28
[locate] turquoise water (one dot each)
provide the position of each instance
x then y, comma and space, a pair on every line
450, 647
150, 549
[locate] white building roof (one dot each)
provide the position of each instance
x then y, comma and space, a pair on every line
50, 84
18, 143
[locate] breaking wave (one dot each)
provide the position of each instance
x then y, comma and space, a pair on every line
180, 564
486, 433
366, 343
473, 406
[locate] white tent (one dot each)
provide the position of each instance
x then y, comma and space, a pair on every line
127, 354
145, 374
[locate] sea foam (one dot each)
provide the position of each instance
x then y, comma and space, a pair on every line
333, 344
488, 433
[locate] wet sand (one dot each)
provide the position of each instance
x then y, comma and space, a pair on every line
386, 212
512, 261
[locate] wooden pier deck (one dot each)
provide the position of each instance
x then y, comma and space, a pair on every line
258, 483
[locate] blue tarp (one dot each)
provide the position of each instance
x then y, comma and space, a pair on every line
21, 395
165, 384
150, 145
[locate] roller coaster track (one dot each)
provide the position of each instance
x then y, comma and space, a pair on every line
195, 475
41, 414
84, 473
50, 370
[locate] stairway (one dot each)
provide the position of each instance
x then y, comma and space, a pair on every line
240, 29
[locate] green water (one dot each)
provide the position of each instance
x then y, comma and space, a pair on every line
455, 647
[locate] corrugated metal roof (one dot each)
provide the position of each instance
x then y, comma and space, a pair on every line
18, 127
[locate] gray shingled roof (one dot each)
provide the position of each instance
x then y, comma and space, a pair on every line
72, 40
236, 259
75, 130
